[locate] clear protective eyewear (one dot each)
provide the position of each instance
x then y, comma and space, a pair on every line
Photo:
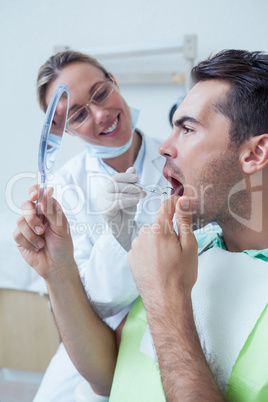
101, 94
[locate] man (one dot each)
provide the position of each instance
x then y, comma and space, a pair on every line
216, 160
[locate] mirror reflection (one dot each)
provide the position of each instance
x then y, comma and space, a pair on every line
51, 136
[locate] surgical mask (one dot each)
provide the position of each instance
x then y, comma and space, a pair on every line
53, 144
103, 152
54, 140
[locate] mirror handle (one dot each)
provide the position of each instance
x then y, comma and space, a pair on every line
39, 213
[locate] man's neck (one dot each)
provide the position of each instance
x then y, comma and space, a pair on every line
250, 230
245, 239
248, 234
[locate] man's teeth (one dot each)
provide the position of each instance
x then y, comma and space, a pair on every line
112, 128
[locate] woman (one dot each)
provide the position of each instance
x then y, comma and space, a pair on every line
100, 116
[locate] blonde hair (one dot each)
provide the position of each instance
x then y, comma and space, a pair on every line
50, 70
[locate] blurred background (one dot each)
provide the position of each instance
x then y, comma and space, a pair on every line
31, 31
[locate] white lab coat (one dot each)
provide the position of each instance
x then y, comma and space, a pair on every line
101, 260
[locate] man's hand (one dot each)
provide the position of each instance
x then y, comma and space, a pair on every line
164, 266
163, 263
118, 202
47, 248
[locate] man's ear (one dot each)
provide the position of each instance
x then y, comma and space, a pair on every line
254, 154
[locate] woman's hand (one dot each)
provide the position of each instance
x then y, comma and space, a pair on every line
48, 247
118, 201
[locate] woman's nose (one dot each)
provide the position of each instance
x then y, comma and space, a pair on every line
98, 113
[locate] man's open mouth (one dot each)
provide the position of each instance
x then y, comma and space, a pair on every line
175, 183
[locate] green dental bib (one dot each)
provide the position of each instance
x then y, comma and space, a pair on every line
249, 378
139, 380
137, 376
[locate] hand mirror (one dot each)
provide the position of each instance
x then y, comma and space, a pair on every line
52, 132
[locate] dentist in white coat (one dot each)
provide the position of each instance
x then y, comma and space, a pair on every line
94, 187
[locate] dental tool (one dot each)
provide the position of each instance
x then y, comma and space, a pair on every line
167, 191
164, 191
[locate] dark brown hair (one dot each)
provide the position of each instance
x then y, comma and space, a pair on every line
246, 104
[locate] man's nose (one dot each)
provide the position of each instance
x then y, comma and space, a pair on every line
168, 148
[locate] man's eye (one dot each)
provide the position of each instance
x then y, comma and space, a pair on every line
187, 129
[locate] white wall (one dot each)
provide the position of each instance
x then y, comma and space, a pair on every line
30, 29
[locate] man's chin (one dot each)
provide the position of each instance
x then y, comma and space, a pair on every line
198, 222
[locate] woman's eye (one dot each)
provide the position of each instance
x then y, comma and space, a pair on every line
79, 116
100, 96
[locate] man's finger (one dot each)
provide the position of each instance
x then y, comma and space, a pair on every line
184, 222
166, 213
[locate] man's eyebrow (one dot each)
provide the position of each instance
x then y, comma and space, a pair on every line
90, 93
182, 120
